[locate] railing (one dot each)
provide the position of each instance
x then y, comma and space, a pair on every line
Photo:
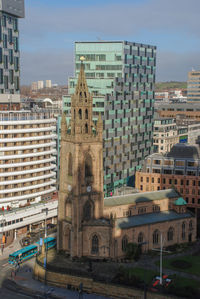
15, 116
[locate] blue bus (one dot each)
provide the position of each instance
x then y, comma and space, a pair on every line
49, 242
23, 254
29, 251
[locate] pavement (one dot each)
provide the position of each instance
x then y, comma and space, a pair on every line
24, 280
24, 283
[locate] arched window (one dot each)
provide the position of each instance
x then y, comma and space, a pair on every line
81, 94
124, 243
190, 225
183, 231
74, 114
170, 234
86, 128
140, 238
156, 237
86, 114
80, 113
70, 164
88, 166
68, 210
95, 245
87, 211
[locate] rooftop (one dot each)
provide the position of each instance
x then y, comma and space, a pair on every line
145, 219
184, 150
140, 197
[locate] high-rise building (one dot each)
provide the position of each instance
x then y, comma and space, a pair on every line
121, 77
34, 86
48, 84
193, 86
10, 11
27, 169
40, 84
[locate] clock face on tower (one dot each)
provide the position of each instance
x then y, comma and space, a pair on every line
89, 188
69, 187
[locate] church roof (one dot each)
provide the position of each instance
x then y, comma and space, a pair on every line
151, 218
180, 202
140, 197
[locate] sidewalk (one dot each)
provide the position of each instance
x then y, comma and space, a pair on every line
11, 248
25, 281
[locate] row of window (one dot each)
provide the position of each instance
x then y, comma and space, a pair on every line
156, 236
172, 181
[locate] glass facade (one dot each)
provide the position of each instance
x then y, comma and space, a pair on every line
193, 86
121, 76
9, 54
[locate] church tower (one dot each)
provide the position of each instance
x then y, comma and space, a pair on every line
81, 170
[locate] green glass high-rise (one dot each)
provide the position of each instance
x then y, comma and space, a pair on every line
121, 76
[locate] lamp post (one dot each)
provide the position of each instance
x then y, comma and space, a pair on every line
45, 246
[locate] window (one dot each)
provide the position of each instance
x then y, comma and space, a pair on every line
147, 180
124, 243
190, 225
183, 231
70, 166
87, 211
95, 245
181, 182
164, 181
140, 238
152, 180
88, 166
156, 237
170, 234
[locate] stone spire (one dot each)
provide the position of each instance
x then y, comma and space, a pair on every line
81, 107
99, 126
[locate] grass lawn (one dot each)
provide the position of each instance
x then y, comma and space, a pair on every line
143, 274
193, 260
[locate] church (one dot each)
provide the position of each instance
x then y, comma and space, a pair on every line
90, 225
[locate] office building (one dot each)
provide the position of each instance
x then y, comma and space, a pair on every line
48, 84
27, 169
121, 77
167, 134
40, 84
179, 169
175, 110
10, 11
193, 86
34, 86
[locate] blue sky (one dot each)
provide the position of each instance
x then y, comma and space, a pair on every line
50, 28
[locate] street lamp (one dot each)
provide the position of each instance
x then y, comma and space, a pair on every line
46, 213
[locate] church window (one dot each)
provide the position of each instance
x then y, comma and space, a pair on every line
183, 231
81, 94
88, 166
68, 210
95, 245
86, 114
87, 211
155, 237
74, 114
170, 234
70, 164
140, 238
80, 113
124, 243
86, 128
190, 225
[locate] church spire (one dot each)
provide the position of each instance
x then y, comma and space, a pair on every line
81, 106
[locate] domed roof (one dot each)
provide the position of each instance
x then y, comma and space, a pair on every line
180, 202
183, 150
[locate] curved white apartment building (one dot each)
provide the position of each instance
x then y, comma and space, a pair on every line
27, 164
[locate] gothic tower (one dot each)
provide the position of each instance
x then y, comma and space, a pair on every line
81, 171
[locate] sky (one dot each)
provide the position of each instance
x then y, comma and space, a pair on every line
50, 29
